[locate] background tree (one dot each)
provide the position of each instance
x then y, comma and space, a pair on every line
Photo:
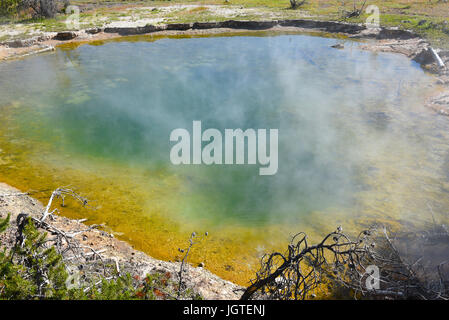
296, 3
8, 7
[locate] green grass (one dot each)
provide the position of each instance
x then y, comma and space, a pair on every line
405, 14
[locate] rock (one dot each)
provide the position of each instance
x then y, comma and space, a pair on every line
22, 43
443, 54
443, 80
387, 33
329, 26
367, 33
206, 25
424, 57
201, 265
250, 25
421, 22
179, 26
94, 30
338, 46
440, 103
442, 99
65, 35
124, 31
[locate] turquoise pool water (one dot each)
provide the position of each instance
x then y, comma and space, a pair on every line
356, 144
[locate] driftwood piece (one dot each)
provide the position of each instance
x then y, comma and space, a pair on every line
437, 58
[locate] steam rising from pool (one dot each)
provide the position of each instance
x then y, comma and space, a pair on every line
355, 143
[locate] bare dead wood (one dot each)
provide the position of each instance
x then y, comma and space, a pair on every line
298, 272
61, 193
294, 4
67, 243
356, 10
194, 239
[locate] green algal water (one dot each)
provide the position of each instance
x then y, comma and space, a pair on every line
356, 144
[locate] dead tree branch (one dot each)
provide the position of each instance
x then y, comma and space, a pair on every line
61, 193
194, 239
355, 11
294, 4
351, 264
67, 243
296, 273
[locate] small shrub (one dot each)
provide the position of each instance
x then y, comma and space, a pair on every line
34, 270
296, 3
40, 8
8, 7
31, 270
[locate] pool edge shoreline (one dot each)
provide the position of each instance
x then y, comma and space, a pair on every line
204, 282
382, 39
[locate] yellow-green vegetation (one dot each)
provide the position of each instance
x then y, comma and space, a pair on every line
428, 18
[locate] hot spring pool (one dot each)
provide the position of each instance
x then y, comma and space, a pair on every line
356, 144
